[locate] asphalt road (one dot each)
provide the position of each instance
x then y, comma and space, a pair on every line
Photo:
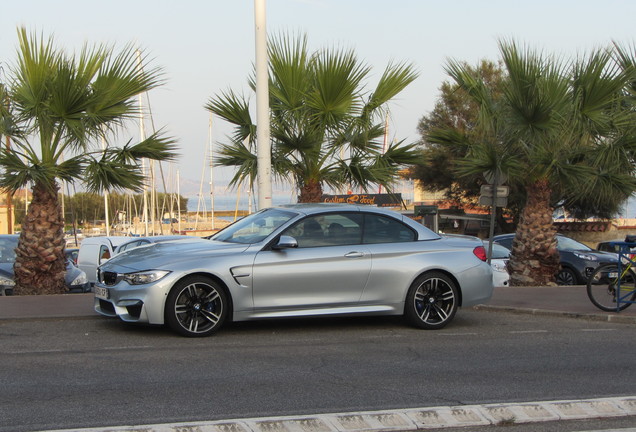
68, 373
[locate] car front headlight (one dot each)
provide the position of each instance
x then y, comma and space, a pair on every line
145, 277
585, 256
81, 279
6, 281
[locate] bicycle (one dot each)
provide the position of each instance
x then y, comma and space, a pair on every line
612, 287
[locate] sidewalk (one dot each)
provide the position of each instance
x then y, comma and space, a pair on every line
569, 301
47, 306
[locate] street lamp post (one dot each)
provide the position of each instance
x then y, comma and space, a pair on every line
263, 146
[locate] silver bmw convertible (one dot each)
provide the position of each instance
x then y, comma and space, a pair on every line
298, 260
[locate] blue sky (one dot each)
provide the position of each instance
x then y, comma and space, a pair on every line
205, 47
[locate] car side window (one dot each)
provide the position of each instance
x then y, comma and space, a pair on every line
331, 229
104, 253
382, 229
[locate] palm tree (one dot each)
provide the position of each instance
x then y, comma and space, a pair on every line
58, 105
560, 130
325, 129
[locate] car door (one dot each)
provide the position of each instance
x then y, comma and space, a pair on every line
329, 268
394, 249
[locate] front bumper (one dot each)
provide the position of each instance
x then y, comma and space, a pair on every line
133, 303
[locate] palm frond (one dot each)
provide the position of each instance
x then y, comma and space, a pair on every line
155, 147
107, 172
235, 110
335, 93
396, 77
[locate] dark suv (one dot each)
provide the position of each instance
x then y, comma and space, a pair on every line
577, 260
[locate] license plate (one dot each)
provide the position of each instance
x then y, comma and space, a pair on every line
612, 275
101, 292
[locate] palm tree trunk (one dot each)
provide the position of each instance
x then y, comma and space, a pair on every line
535, 258
40, 265
310, 192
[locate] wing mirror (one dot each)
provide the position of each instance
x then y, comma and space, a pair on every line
286, 242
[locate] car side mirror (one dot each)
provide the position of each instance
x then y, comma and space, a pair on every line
286, 242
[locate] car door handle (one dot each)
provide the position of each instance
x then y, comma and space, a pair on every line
354, 255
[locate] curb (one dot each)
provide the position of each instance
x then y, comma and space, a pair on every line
403, 420
624, 319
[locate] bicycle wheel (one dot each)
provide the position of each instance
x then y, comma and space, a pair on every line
603, 283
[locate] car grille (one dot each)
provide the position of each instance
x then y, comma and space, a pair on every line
109, 278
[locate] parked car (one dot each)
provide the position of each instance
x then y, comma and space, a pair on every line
71, 254
75, 279
94, 251
578, 261
499, 264
611, 246
298, 260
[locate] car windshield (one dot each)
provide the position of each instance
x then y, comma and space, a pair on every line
567, 244
7, 249
255, 227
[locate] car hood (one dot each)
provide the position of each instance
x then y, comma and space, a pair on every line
601, 256
166, 254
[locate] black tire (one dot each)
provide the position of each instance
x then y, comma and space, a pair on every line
602, 284
431, 301
567, 277
196, 306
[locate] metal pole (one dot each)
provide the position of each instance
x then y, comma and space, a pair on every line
10, 198
106, 209
493, 213
263, 146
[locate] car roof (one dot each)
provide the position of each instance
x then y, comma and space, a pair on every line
312, 208
112, 240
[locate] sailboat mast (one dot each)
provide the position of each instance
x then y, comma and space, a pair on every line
211, 171
106, 210
142, 137
178, 203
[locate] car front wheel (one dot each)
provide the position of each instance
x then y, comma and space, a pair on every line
196, 306
431, 301
566, 277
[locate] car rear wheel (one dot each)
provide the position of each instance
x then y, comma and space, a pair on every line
566, 276
431, 301
196, 306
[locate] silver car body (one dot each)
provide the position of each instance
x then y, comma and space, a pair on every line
262, 282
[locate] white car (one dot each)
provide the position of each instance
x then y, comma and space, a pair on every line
94, 251
499, 264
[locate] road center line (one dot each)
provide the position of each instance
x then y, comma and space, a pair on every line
528, 331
